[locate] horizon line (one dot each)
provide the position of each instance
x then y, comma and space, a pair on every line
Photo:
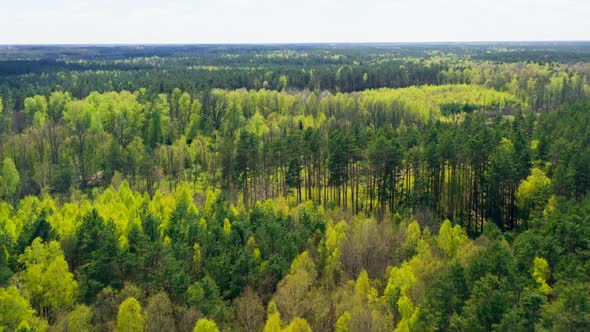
376, 43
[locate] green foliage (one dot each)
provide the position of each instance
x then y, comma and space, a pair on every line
490, 299
205, 296
159, 313
570, 310
445, 298
338, 185
96, 251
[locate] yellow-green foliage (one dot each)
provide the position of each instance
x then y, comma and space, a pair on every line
197, 258
401, 279
205, 325
424, 102
29, 208
264, 112
409, 315
8, 225
211, 198
226, 226
359, 306
541, 273
9, 179
47, 281
121, 206
16, 310
298, 325
412, 235
343, 322
293, 292
252, 247
363, 290
308, 208
279, 206
161, 206
303, 263
66, 219
450, 238
130, 317
80, 319
406, 282
332, 250
273, 321
535, 190
257, 125
274, 324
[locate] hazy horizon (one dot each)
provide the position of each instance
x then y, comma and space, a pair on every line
353, 43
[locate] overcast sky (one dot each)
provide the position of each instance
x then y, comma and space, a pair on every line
276, 21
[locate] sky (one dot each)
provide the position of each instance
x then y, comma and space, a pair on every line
288, 21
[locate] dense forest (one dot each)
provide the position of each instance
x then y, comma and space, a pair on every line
378, 187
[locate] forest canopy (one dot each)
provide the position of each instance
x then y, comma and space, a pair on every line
295, 188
